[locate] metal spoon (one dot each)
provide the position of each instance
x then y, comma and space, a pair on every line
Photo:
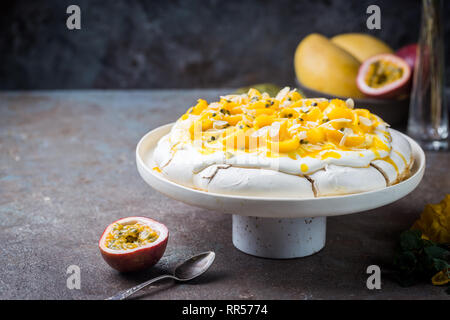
188, 270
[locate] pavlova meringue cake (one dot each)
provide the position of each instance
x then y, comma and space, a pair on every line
284, 146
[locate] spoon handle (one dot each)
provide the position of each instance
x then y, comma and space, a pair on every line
126, 293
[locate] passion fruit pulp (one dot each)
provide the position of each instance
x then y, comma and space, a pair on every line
384, 76
133, 243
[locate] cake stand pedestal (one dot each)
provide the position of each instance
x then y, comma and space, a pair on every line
279, 238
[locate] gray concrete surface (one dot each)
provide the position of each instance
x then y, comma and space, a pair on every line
67, 170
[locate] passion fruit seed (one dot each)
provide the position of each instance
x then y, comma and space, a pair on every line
381, 73
130, 236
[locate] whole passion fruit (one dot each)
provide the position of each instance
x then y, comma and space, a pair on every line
133, 243
384, 76
409, 54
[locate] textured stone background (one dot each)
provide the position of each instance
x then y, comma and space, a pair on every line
179, 44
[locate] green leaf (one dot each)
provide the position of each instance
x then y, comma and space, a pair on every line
405, 261
435, 252
440, 264
411, 240
418, 259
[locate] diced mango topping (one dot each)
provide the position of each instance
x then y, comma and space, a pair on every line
287, 124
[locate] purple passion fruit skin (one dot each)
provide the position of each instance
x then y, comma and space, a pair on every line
409, 54
133, 243
384, 76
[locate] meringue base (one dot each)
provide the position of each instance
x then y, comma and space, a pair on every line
248, 175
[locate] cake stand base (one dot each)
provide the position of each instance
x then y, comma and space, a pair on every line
279, 238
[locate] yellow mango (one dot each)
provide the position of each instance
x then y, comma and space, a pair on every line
354, 141
257, 105
227, 103
236, 110
378, 144
205, 116
262, 121
195, 129
232, 120
334, 136
338, 103
293, 96
206, 124
297, 104
200, 106
242, 139
314, 114
362, 46
253, 93
267, 111
289, 113
340, 112
323, 66
364, 128
283, 146
234, 141
357, 129
315, 135
284, 133
363, 112
322, 105
275, 104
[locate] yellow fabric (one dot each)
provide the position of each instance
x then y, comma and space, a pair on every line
434, 221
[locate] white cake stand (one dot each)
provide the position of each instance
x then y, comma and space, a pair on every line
278, 228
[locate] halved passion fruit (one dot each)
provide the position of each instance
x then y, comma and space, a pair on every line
384, 76
133, 243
